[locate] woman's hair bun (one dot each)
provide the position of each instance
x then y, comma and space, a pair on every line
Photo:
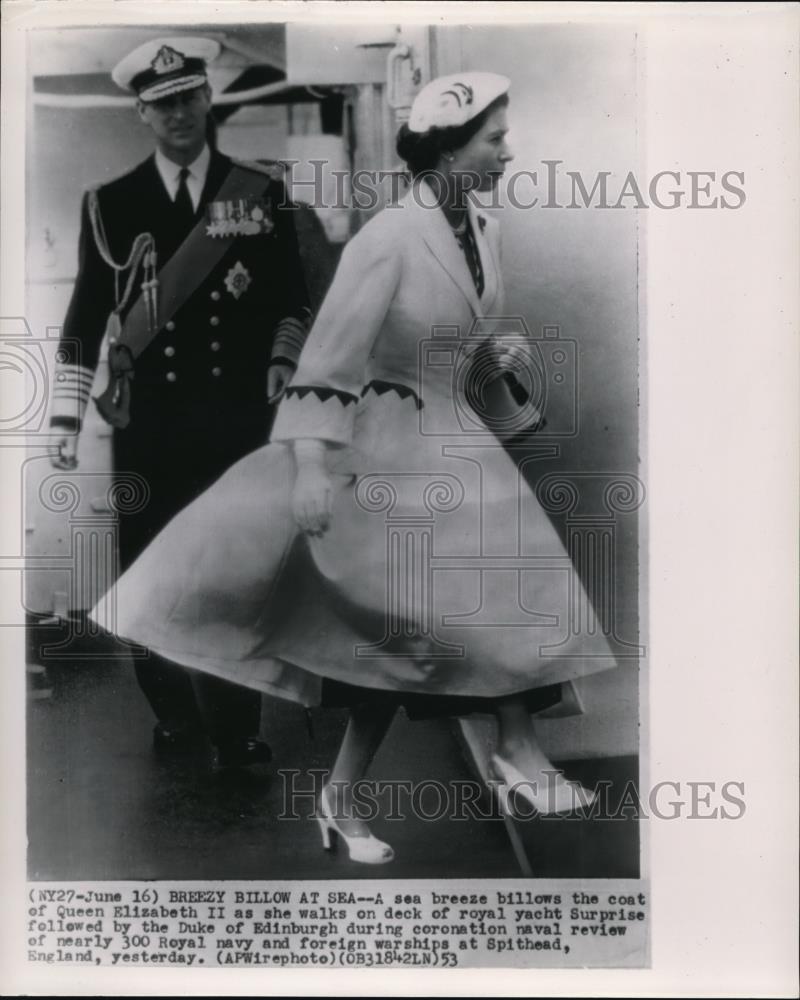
420, 150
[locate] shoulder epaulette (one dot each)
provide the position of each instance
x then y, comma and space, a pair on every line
272, 168
113, 181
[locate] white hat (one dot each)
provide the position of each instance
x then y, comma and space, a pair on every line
453, 100
165, 66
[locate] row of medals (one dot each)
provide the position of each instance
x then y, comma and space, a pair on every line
242, 217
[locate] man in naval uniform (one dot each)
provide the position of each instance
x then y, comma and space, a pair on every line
191, 268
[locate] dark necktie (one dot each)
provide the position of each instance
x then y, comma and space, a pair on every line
466, 241
184, 211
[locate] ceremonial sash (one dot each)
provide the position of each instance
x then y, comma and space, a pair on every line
180, 277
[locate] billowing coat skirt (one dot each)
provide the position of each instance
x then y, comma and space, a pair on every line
439, 575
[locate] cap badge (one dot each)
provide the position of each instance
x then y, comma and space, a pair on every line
167, 60
238, 280
462, 92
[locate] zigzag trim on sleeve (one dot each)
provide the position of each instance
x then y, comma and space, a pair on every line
380, 388
323, 393
314, 411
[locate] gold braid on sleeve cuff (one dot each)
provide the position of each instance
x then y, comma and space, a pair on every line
290, 335
73, 384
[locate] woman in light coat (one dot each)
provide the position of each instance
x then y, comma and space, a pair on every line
382, 550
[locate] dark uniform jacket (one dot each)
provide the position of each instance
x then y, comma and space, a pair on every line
199, 397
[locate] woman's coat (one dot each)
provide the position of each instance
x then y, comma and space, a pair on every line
440, 573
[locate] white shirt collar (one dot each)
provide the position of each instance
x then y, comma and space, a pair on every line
170, 174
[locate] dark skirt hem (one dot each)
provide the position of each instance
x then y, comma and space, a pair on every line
339, 694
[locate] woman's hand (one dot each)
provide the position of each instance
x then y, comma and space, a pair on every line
64, 450
312, 496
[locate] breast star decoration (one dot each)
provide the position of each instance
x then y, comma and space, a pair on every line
238, 280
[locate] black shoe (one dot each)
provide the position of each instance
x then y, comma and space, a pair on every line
242, 753
176, 737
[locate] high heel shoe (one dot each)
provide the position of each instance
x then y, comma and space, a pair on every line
558, 796
368, 850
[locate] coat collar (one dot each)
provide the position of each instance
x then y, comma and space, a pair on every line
438, 237
218, 170
170, 172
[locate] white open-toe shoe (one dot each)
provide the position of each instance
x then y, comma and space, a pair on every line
557, 795
366, 849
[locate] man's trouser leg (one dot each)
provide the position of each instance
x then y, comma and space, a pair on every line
168, 688
231, 713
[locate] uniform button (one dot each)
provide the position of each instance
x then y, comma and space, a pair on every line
215, 296
214, 321
169, 351
171, 376
215, 345
169, 326
216, 372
